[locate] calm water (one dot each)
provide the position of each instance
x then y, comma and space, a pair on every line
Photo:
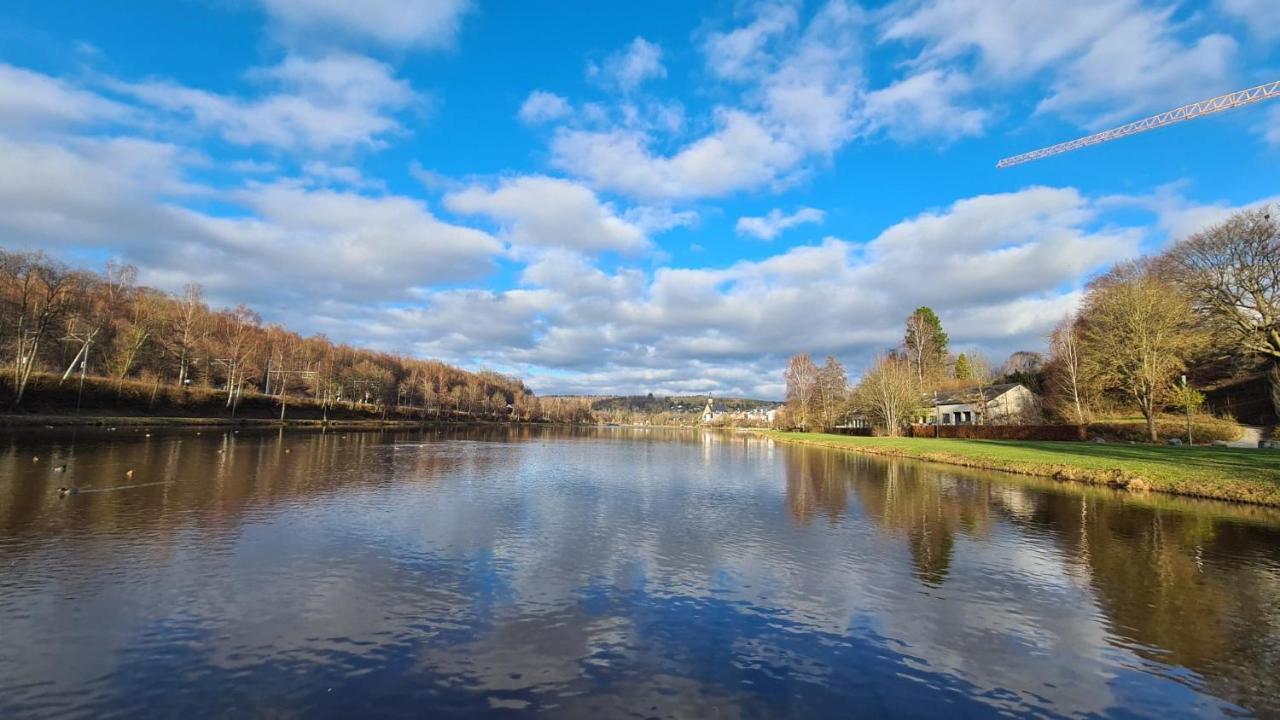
609, 573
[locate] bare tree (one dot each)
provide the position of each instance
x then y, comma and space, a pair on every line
1138, 332
1231, 272
980, 377
889, 393
802, 389
188, 328
1066, 369
142, 319
39, 291
833, 387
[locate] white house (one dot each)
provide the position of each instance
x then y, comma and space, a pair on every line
993, 405
717, 412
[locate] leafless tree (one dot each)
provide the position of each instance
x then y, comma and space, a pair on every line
889, 393
1231, 272
1138, 332
1066, 369
802, 389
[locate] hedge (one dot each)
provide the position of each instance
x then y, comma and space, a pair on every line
1000, 432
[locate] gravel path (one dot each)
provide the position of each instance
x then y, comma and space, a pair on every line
1249, 439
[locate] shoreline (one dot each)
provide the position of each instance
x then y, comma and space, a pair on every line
1121, 474
47, 422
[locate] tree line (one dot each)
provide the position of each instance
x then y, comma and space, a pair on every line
1146, 336
70, 323
1150, 330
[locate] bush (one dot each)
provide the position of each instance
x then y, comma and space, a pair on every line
1000, 432
856, 432
1204, 429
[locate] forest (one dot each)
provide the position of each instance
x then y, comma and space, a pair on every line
65, 329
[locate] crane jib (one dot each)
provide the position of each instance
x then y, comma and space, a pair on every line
1248, 96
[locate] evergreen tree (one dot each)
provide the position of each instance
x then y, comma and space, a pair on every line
925, 344
964, 371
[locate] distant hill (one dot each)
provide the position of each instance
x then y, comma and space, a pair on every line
655, 404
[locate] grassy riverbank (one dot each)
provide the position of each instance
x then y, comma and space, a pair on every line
1233, 474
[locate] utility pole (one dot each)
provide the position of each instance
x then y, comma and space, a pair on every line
82, 357
1186, 401
937, 417
283, 386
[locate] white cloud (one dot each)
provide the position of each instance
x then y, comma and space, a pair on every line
775, 222
659, 218
629, 68
545, 212
739, 154
1109, 58
1001, 269
274, 244
1261, 16
1140, 66
1179, 216
334, 102
1271, 127
424, 24
32, 101
326, 173
741, 53
800, 107
542, 106
924, 105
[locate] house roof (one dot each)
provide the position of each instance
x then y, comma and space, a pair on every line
964, 396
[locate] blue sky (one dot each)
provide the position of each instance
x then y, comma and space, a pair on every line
665, 197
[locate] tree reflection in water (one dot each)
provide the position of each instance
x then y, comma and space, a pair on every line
1174, 579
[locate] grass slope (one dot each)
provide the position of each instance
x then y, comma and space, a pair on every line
1234, 474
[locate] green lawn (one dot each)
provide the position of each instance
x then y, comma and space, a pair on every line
1221, 473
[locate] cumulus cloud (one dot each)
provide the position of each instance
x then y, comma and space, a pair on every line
325, 173
1111, 58
1001, 269
741, 153
1271, 127
925, 104
742, 53
423, 24
333, 102
630, 67
542, 106
800, 106
775, 222
274, 244
540, 211
33, 101
1261, 16
1179, 216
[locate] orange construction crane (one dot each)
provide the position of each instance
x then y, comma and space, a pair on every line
1177, 115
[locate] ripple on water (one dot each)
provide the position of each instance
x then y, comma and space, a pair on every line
582, 574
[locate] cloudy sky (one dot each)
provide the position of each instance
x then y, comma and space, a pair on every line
660, 196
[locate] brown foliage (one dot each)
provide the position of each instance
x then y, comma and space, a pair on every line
56, 320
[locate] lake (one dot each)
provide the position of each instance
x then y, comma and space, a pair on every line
605, 573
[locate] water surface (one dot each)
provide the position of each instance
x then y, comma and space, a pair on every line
609, 572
